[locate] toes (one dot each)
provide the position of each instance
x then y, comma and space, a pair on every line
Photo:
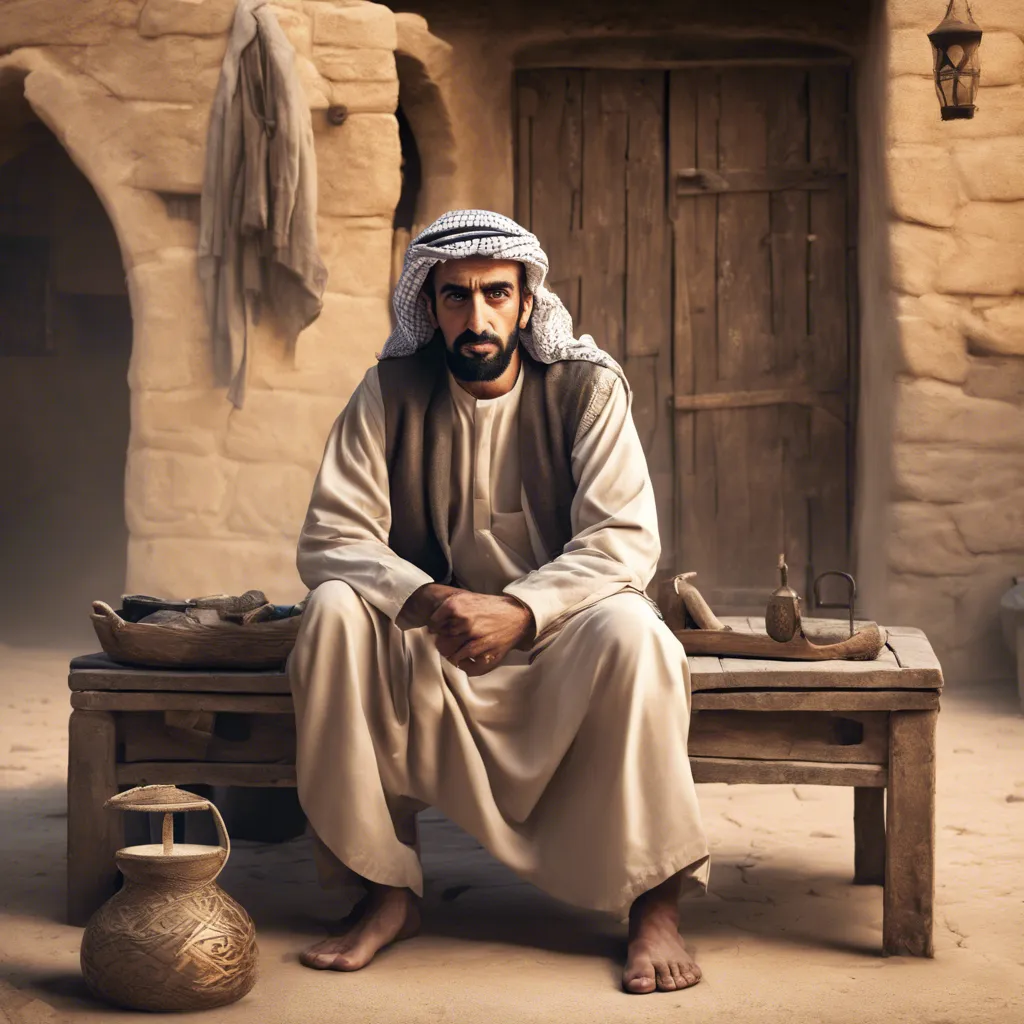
639, 977
318, 961
641, 985
690, 974
666, 983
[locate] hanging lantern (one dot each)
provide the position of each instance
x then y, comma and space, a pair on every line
957, 70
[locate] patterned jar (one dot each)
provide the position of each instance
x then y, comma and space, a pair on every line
171, 939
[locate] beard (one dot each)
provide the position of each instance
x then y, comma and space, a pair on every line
471, 366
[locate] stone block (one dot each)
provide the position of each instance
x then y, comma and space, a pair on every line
923, 185
357, 97
358, 166
981, 266
910, 53
996, 329
995, 377
171, 347
998, 14
933, 411
357, 253
927, 602
1002, 221
342, 343
168, 145
991, 169
1002, 59
148, 225
183, 567
316, 88
913, 113
344, 64
282, 426
946, 473
184, 421
992, 526
924, 541
931, 344
270, 498
917, 253
174, 69
57, 23
362, 26
918, 14
297, 25
186, 17
164, 487
366, 97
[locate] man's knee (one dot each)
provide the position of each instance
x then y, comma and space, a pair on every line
624, 624
333, 597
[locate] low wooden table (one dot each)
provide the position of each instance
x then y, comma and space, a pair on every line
869, 725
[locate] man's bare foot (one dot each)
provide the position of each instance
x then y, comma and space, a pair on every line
657, 959
386, 915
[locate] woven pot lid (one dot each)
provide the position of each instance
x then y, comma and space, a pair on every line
165, 799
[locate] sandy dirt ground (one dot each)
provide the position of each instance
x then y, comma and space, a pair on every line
782, 935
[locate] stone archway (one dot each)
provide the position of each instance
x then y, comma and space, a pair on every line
424, 68
65, 342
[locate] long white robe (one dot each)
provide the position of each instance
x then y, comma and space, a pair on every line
568, 762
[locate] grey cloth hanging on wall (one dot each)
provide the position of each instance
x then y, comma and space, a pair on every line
257, 225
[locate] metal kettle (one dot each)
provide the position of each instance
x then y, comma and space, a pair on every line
782, 616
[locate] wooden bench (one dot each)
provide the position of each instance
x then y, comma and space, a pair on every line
869, 725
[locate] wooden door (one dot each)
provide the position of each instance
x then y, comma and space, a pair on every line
698, 225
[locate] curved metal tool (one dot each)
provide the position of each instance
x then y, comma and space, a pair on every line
851, 598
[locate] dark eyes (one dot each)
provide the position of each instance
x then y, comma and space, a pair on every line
495, 293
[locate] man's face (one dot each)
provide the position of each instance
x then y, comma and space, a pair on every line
480, 307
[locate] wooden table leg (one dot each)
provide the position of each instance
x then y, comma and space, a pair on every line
95, 833
868, 835
910, 835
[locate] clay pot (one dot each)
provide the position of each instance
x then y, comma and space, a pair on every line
171, 939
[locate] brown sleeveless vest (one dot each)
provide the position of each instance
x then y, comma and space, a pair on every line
558, 404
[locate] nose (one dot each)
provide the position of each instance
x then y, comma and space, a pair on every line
478, 314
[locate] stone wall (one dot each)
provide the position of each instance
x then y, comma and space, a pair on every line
215, 496
956, 517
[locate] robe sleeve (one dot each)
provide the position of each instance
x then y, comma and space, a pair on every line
345, 535
615, 543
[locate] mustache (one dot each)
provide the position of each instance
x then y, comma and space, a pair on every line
468, 337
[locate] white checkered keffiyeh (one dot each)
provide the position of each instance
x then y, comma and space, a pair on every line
461, 233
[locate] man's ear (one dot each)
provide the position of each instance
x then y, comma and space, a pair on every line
524, 316
428, 303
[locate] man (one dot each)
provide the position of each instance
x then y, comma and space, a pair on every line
478, 640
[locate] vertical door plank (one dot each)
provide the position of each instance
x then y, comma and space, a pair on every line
686, 260
693, 132
828, 323
747, 441
527, 102
648, 355
788, 146
556, 161
647, 266
603, 233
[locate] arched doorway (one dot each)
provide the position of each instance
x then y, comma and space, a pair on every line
65, 340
